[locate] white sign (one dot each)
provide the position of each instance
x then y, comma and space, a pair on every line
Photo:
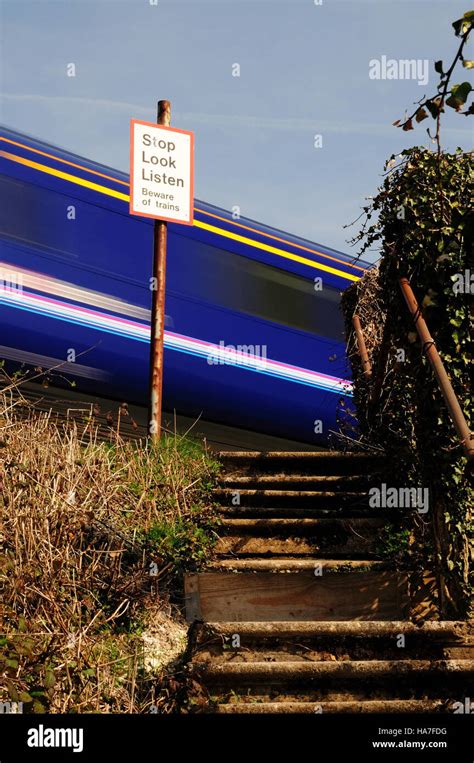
161, 172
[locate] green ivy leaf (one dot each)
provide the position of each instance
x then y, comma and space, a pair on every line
49, 679
25, 697
458, 96
461, 26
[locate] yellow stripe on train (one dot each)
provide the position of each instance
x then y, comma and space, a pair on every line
198, 223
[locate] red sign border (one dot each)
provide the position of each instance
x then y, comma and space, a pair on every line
133, 122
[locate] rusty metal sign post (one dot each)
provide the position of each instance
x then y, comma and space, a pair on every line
158, 307
161, 187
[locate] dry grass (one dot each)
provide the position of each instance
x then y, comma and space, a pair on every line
364, 299
84, 579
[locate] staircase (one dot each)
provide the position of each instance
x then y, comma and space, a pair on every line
299, 612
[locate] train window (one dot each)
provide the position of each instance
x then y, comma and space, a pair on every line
24, 217
243, 284
73, 230
37, 216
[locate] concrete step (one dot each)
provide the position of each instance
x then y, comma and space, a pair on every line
336, 641
306, 512
278, 498
443, 631
301, 673
295, 481
317, 462
274, 683
262, 547
287, 651
325, 537
271, 526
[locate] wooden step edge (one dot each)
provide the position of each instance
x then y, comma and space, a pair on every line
263, 547
298, 565
292, 671
225, 491
270, 523
347, 513
239, 479
322, 455
454, 629
355, 706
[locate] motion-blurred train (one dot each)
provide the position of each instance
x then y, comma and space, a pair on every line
253, 330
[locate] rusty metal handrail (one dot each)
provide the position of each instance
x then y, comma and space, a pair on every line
364, 356
429, 348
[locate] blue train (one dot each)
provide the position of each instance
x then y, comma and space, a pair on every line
253, 331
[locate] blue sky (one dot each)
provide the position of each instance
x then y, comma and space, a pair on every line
304, 70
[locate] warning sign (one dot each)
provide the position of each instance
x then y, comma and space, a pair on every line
161, 172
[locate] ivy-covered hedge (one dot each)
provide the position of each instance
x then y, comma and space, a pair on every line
424, 222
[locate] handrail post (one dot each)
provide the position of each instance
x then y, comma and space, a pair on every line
429, 348
364, 356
